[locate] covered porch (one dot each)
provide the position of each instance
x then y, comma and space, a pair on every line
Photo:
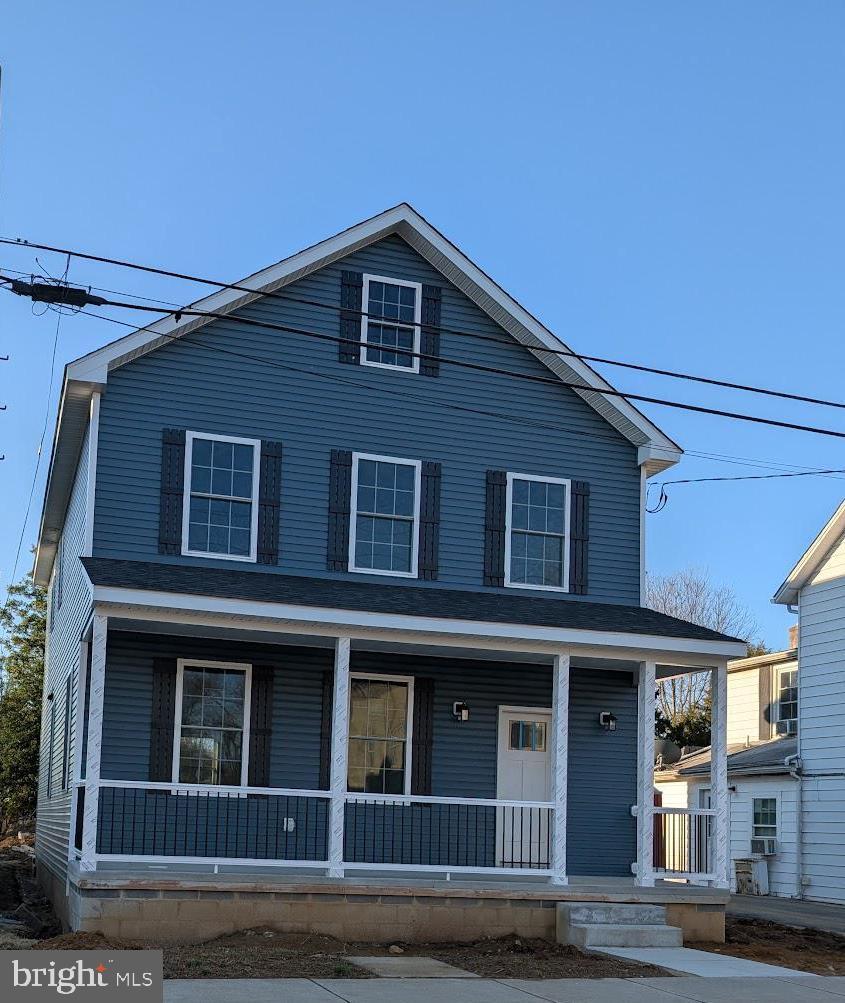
527, 752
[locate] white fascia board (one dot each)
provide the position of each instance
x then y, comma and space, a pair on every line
354, 622
812, 558
447, 258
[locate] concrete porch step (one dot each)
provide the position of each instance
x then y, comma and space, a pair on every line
625, 935
615, 924
614, 912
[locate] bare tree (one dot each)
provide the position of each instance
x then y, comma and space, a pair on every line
683, 702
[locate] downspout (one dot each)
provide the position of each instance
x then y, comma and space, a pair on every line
796, 771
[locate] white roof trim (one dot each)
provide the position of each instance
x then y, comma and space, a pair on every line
812, 558
660, 451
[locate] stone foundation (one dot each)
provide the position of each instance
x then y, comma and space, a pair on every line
190, 915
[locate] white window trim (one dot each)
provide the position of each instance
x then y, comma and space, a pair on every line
567, 483
190, 437
365, 298
781, 670
353, 515
379, 677
202, 663
766, 797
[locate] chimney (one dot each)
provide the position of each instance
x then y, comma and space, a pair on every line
793, 636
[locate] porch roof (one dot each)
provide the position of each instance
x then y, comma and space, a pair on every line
406, 600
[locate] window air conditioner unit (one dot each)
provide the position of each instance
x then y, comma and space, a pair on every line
764, 846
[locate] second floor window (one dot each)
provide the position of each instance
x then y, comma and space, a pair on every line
536, 544
390, 327
787, 702
221, 496
384, 528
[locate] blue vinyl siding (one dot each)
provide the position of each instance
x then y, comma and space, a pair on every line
326, 405
62, 662
602, 766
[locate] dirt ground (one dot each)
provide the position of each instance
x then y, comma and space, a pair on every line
264, 954
805, 950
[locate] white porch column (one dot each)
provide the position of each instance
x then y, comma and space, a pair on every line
96, 686
560, 762
719, 774
340, 747
645, 774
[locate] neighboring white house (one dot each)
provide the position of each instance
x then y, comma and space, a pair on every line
816, 585
762, 725
786, 739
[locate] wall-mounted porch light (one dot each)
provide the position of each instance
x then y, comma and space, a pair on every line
460, 711
607, 720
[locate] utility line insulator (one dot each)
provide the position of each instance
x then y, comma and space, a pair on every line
49, 292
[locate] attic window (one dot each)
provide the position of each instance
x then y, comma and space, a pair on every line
390, 325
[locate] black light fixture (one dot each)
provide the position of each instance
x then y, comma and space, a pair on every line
460, 711
607, 720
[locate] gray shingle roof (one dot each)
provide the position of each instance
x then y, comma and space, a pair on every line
765, 757
481, 605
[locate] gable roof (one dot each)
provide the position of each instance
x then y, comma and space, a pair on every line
812, 558
84, 376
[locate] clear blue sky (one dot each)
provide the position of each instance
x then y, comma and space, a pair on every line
659, 182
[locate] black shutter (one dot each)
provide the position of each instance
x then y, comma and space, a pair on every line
269, 492
494, 527
172, 489
260, 726
429, 520
163, 714
340, 489
326, 731
765, 684
579, 536
430, 339
351, 291
421, 742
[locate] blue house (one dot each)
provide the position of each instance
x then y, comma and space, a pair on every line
345, 567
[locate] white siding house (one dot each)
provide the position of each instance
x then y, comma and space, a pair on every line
817, 586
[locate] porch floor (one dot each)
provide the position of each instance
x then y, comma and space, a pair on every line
231, 879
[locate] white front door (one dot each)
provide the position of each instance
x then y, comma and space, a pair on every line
523, 774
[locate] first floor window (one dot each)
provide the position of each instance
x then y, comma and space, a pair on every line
537, 520
212, 723
385, 493
221, 496
787, 702
765, 817
390, 331
378, 735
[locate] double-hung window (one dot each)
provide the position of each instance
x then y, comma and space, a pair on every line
220, 517
384, 527
390, 325
536, 532
211, 742
764, 820
379, 734
787, 701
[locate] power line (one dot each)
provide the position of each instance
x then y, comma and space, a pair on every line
561, 353
429, 401
664, 497
40, 447
464, 364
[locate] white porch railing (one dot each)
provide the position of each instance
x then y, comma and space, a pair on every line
684, 843
160, 823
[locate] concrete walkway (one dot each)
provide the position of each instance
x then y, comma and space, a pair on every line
790, 912
686, 961
665, 990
